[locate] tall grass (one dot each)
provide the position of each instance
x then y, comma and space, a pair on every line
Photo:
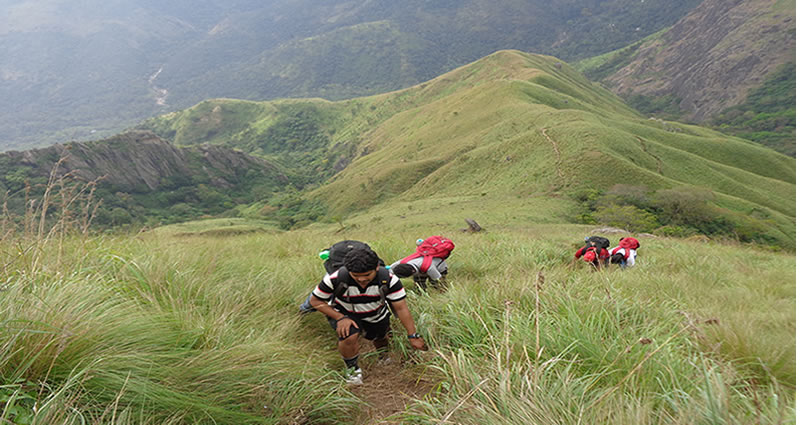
580, 347
153, 333
178, 328
130, 330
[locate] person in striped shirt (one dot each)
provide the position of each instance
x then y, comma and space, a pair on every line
356, 300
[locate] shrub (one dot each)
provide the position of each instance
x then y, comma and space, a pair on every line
626, 194
684, 205
674, 231
120, 216
627, 217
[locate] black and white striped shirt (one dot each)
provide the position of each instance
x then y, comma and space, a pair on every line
357, 302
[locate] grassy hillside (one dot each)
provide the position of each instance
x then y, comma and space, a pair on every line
196, 325
509, 125
539, 130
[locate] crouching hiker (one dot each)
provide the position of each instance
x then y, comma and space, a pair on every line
427, 262
355, 298
594, 252
625, 253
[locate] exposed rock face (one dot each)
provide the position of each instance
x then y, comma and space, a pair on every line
140, 160
713, 56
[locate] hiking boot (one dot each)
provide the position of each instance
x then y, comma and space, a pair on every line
353, 376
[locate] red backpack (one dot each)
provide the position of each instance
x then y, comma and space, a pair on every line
629, 243
430, 248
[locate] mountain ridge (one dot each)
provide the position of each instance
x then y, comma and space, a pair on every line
143, 177
509, 125
729, 40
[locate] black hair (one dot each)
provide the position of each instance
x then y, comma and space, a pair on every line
361, 260
617, 258
403, 270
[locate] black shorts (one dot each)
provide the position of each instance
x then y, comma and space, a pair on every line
368, 330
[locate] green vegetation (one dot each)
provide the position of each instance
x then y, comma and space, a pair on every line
178, 198
511, 125
768, 114
681, 211
599, 67
193, 324
665, 107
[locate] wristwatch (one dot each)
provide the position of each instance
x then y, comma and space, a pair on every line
414, 335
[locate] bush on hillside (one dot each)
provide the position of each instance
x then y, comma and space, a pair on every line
665, 107
627, 217
684, 205
626, 194
674, 231
291, 210
679, 212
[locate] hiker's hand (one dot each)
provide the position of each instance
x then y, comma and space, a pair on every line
418, 344
343, 326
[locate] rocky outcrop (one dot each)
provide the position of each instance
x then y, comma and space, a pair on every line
140, 161
712, 57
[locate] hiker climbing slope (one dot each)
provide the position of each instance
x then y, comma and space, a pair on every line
625, 253
355, 298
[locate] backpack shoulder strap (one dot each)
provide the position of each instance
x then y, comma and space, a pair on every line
385, 279
342, 282
625, 252
427, 261
411, 257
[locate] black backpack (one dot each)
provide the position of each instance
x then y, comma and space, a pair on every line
598, 241
595, 243
339, 250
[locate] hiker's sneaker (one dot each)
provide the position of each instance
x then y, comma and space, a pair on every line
353, 377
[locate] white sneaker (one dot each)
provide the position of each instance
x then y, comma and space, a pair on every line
353, 376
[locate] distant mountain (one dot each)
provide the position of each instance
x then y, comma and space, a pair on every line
509, 126
142, 178
85, 70
714, 59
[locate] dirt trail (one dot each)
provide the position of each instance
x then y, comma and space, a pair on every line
388, 386
557, 153
658, 160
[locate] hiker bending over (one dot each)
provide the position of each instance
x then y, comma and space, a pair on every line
436, 272
355, 298
427, 262
625, 253
594, 252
